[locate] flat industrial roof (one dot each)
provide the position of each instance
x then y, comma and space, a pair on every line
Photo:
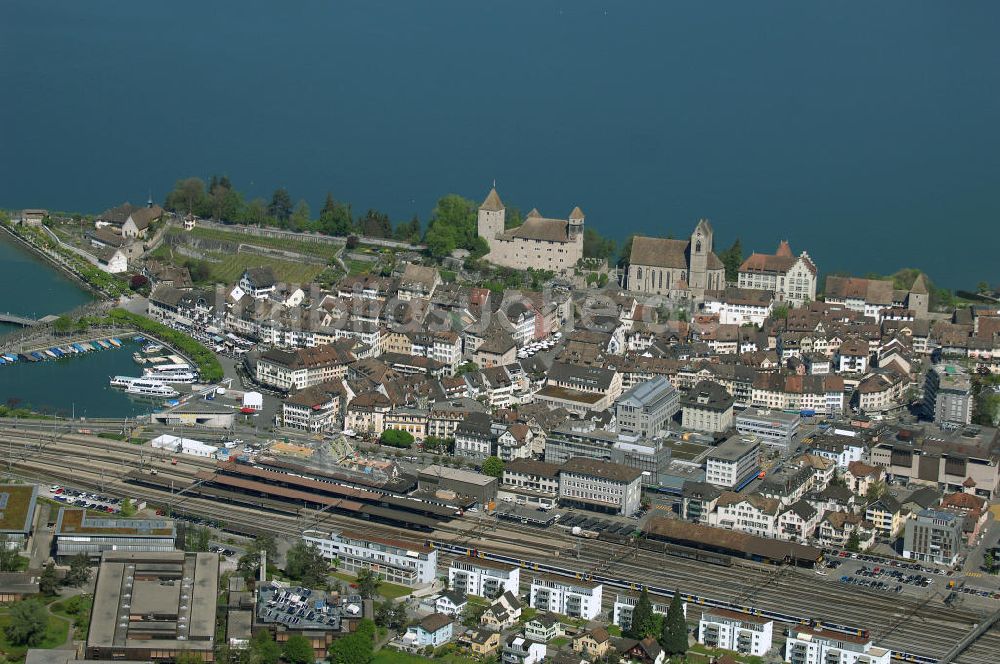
457, 475
75, 521
732, 449
17, 508
179, 589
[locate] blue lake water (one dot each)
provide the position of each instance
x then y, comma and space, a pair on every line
32, 287
77, 384
866, 133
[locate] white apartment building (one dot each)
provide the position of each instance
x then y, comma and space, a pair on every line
602, 486
809, 646
397, 561
751, 513
621, 613
484, 578
301, 368
733, 462
739, 632
574, 598
739, 306
792, 279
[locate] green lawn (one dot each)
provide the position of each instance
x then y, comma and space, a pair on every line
385, 589
227, 268
320, 249
355, 267
77, 610
54, 637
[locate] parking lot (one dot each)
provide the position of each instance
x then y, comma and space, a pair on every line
90, 501
898, 576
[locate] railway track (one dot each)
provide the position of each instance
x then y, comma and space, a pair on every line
84, 461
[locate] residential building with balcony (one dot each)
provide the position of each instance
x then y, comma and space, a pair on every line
815, 646
483, 578
739, 632
570, 597
404, 562
933, 536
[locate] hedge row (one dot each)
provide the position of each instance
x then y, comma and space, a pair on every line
208, 363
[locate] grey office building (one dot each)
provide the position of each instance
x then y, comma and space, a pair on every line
948, 394
934, 536
647, 408
771, 427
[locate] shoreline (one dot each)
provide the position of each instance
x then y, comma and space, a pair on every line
74, 277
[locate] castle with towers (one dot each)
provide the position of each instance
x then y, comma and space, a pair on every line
539, 243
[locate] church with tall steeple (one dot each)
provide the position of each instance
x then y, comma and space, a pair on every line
540, 243
678, 268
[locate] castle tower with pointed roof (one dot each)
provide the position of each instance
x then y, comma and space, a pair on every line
575, 227
544, 244
917, 300
492, 217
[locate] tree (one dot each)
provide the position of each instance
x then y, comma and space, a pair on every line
396, 438
306, 564
10, 558
188, 196
983, 287
876, 490
48, 582
988, 562
390, 614
263, 649
64, 324
127, 508
298, 650
281, 206
453, 225
375, 224
354, 648
853, 542
732, 258
597, 246
643, 622
625, 255
79, 570
493, 466
197, 539
200, 270
300, 218
408, 231
368, 583
265, 543
335, 218
674, 638
138, 282
27, 623
248, 566
780, 312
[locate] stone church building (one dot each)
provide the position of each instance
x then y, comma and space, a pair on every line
676, 268
539, 243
